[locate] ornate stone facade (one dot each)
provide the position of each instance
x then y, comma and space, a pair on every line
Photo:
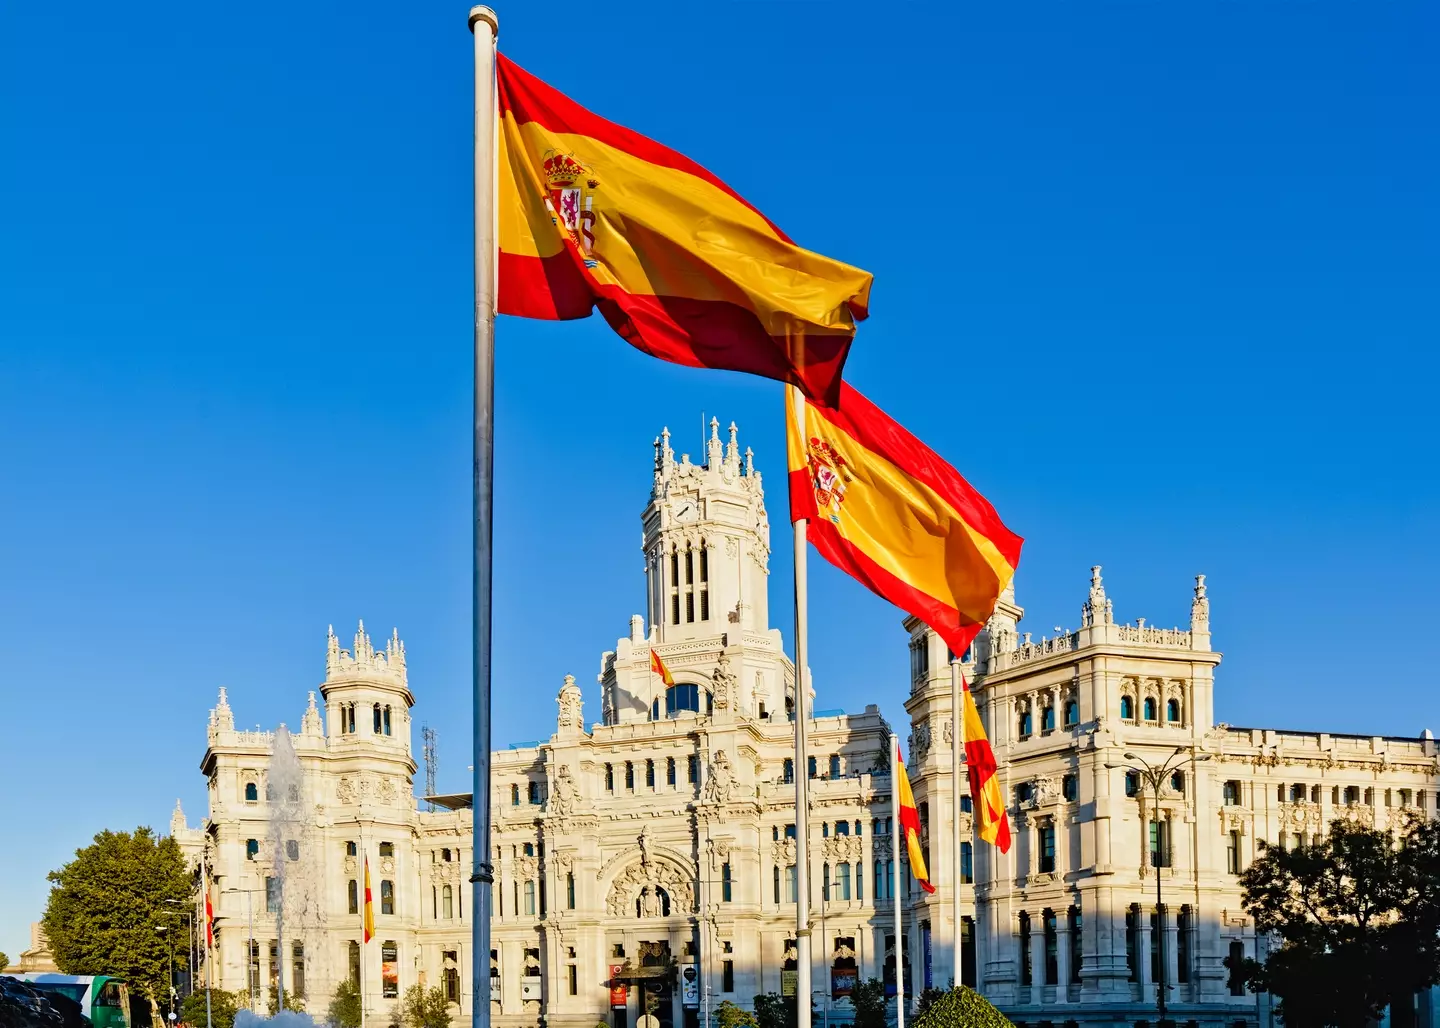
665, 832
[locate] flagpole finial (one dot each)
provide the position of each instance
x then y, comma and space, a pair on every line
482, 13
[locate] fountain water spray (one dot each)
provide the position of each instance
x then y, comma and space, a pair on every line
297, 898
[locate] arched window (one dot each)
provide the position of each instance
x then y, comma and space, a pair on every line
387, 719
1072, 713
1150, 708
1127, 709
1047, 719
252, 793
1172, 711
682, 696
376, 711
447, 902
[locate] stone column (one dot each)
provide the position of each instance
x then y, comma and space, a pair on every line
1062, 956
1142, 956
1037, 959
1172, 954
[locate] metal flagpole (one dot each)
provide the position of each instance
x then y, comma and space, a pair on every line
957, 750
205, 912
895, 830
364, 896
485, 26
802, 765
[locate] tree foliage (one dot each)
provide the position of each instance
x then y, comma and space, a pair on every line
868, 997
292, 1001
728, 1015
960, 1008
223, 1006
105, 904
1357, 916
425, 1008
4, 961
344, 1009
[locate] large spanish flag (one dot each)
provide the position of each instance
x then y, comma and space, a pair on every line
888, 510
910, 825
992, 823
595, 215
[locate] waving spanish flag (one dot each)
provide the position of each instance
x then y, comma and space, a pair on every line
910, 825
889, 511
595, 215
658, 666
992, 823
369, 922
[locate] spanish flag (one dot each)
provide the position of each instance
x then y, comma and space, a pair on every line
910, 825
658, 666
369, 909
992, 823
889, 511
595, 215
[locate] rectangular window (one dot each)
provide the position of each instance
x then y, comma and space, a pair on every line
1159, 844
448, 895
726, 893
297, 970
704, 584
451, 959
387, 849
538, 793
629, 776
354, 966
569, 890
1047, 849
272, 896
792, 895
352, 894
1026, 971
252, 848
1132, 941
692, 769
1232, 793
777, 885
1052, 949
1182, 945
387, 897
834, 765
669, 770
727, 976
574, 980
859, 880
842, 881
842, 827
674, 588
649, 774
530, 898
1232, 853
967, 864
609, 778
812, 767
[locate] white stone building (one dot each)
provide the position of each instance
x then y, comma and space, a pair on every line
655, 848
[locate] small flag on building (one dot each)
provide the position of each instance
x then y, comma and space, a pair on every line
369, 908
658, 666
992, 823
910, 825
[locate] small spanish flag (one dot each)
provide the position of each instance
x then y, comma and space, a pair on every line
910, 825
369, 908
209, 921
993, 824
658, 666
593, 215
889, 511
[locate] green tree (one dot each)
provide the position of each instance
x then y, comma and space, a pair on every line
222, 1008
728, 1015
425, 1008
105, 904
960, 1008
869, 999
1356, 916
4, 961
344, 1009
773, 1011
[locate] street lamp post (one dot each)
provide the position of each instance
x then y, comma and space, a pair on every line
250, 983
1155, 776
164, 929
192, 956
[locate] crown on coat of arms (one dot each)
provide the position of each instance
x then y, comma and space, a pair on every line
829, 475
562, 169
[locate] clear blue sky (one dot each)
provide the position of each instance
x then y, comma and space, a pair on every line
1160, 279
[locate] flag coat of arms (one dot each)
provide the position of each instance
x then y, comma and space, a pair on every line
889, 511
595, 216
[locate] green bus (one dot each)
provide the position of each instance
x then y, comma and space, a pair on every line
104, 999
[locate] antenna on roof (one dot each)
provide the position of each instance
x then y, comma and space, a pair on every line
427, 737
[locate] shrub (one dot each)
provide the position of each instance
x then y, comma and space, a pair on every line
728, 1015
961, 1008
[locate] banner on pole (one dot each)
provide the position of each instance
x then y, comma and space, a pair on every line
618, 998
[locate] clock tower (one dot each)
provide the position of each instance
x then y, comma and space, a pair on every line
706, 542
706, 539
